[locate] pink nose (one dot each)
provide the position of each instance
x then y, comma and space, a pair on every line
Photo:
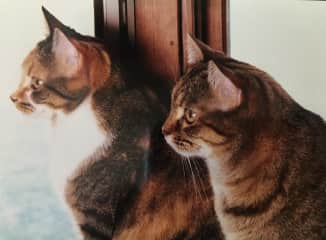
164, 131
167, 129
13, 98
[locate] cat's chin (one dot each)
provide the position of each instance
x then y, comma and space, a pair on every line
184, 153
40, 112
29, 111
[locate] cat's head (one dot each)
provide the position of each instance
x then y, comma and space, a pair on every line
216, 104
61, 71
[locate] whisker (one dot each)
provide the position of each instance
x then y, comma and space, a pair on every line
183, 168
197, 190
201, 181
200, 185
192, 179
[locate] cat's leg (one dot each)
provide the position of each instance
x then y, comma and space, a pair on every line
94, 220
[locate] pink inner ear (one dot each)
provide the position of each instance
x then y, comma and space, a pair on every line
65, 52
194, 53
227, 95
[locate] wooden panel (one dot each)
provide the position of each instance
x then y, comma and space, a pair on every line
157, 37
216, 24
157, 30
188, 25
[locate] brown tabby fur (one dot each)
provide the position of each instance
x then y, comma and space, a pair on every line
266, 154
134, 189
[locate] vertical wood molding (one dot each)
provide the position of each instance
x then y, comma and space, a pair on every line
112, 26
226, 26
216, 24
199, 15
131, 22
118, 25
188, 26
98, 18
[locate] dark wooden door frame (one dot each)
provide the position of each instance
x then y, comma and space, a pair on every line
208, 21
116, 22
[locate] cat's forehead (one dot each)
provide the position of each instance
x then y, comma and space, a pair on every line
191, 88
33, 66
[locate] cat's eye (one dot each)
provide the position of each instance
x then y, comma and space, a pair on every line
36, 83
190, 116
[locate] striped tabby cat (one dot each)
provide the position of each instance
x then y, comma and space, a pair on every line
265, 153
110, 163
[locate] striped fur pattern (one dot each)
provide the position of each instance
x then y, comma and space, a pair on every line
265, 153
132, 186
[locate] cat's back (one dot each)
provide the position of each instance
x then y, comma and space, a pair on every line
306, 154
310, 131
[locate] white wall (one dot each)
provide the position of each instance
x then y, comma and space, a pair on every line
287, 38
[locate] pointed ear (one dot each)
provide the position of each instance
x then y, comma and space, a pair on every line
64, 51
227, 95
52, 21
193, 52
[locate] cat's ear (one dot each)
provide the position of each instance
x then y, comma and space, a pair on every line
64, 50
227, 95
193, 52
52, 21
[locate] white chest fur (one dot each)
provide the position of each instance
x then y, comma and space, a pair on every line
76, 136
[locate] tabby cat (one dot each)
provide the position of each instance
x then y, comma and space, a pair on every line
111, 164
266, 155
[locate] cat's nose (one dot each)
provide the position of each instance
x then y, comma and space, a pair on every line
164, 131
167, 129
14, 98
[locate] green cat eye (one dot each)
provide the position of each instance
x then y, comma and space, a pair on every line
190, 116
38, 82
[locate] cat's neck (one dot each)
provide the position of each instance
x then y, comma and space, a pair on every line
243, 180
75, 136
233, 174
116, 79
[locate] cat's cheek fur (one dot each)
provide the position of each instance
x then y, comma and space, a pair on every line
169, 140
40, 110
204, 151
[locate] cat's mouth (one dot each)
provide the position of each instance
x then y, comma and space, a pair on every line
182, 146
25, 107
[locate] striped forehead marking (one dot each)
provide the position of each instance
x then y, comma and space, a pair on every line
179, 113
